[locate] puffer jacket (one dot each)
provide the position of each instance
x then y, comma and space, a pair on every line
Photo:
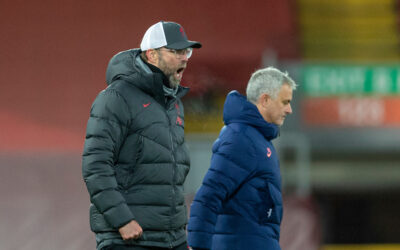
135, 159
239, 205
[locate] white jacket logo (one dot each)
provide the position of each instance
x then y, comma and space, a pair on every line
269, 212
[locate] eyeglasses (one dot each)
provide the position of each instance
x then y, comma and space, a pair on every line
179, 53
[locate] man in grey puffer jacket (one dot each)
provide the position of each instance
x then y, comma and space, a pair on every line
135, 160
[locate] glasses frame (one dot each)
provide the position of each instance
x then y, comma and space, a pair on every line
179, 53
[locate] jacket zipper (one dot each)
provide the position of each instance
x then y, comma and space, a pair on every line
173, 208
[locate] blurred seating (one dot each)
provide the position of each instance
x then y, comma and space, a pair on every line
355, 30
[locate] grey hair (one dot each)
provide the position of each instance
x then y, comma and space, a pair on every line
267, 80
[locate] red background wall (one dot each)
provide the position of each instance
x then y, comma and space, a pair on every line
53, 56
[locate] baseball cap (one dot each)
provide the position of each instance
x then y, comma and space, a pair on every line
166, 34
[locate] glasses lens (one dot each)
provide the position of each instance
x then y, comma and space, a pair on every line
189, 52
179, 53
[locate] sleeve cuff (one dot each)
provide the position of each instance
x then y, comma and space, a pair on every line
119, 216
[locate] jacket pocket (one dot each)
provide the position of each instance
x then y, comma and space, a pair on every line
274, 208
124, 171
139, 149
122, 175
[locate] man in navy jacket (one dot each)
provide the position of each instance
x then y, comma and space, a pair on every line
239, 205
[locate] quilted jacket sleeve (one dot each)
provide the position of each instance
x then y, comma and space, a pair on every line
231, 164
106, 129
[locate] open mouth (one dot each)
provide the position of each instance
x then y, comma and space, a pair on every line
179, 72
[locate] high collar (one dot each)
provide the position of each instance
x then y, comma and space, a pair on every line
157, 70
129, 66
238, 110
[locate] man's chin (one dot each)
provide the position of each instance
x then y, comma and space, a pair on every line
279, 123
173, 82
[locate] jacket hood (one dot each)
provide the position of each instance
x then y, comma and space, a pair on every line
128, 66
238, 110
124, 65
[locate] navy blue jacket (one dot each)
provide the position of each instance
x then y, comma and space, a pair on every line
239, 204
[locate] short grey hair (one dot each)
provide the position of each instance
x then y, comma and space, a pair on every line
267, 80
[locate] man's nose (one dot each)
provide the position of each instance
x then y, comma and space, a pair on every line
289, 109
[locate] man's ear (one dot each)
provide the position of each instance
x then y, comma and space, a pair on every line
264, 100
152, 56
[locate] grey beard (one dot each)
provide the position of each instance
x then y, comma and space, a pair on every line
174, 83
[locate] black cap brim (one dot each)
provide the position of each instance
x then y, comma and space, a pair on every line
184, 45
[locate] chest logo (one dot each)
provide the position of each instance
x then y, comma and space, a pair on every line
178, 119
269, 153
145, 105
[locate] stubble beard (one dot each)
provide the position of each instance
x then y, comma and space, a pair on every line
169, 73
